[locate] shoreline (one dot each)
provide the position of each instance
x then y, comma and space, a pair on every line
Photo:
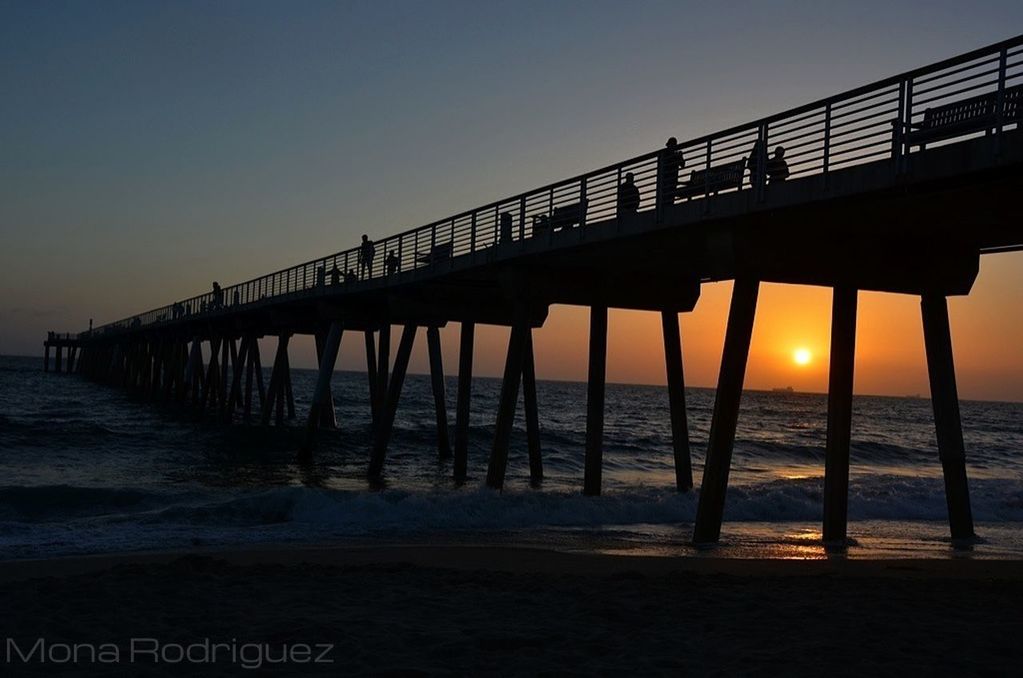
522, 559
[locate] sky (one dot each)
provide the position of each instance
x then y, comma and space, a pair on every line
148, 148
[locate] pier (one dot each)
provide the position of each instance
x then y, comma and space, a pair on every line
897, 186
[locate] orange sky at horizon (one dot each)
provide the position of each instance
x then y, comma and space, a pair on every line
889, 341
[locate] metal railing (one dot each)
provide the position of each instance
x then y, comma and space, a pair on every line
862, 125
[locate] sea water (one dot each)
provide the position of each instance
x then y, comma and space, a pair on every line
86, 468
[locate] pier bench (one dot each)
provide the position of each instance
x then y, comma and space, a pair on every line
713, 179
966, 116
563, 216
438, 252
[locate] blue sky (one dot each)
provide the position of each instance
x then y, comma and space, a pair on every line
148, 148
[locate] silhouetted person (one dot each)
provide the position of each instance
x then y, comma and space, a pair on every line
669, 163
218, 295
392, 263
506, 228
350, 276
321, 276
335, 275
367, 252
753, 162
628, 195
777, 168
236, 298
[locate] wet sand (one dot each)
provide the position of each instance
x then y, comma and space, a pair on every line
480, 610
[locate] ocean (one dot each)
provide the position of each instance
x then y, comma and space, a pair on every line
87, 469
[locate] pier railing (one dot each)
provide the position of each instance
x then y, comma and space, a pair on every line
866, 124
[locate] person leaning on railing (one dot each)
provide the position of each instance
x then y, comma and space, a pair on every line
777, 168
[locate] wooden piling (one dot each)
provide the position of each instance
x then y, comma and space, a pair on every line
532, 414
250, 364
595, 400
327, 349
439, 395
738, 333
390, 405
677, 401
506, 407
840, 393
947, 421
465, 350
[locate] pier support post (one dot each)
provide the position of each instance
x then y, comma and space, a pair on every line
677, 401
439, 395
947, 422
371, 374
328, 347
250, 363
328, 419
383, 365
738, 333
595, 400
58, 360
506, 408
532, 415
275, 391
465, 349
390, 404
840, 393
210, 388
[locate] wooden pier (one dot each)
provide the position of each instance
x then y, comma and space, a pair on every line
898, 186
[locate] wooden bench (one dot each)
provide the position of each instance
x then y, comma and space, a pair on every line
713, 179
564, 216
966, 116
437, 253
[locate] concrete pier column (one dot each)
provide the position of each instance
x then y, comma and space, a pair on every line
506, 407
465, 350
371, 373
439, 396
677, 401
327, 350
532, 412
390, 403
840, 392
328, 419
383, 367
595, 400
738, 333
947, 422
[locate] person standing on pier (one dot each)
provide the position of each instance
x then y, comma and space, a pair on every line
393, 265
335, 275
367, 251
669, 163
628, 195
777, 168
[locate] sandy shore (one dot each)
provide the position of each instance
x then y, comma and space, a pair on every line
481, 610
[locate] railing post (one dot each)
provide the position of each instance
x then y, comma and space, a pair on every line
827, 142
762, 162
401, 250
706, 177
472, 234
582, 206
522, 218
1000, 105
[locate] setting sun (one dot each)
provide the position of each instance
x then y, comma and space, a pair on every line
802, 356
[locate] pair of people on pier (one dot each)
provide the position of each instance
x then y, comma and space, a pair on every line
775, 168
367, 252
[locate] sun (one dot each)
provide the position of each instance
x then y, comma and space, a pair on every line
802, 356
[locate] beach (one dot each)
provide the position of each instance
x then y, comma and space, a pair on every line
465, 610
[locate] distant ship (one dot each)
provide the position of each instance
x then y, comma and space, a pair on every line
787, 389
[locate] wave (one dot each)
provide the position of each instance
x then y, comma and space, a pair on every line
403, 511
